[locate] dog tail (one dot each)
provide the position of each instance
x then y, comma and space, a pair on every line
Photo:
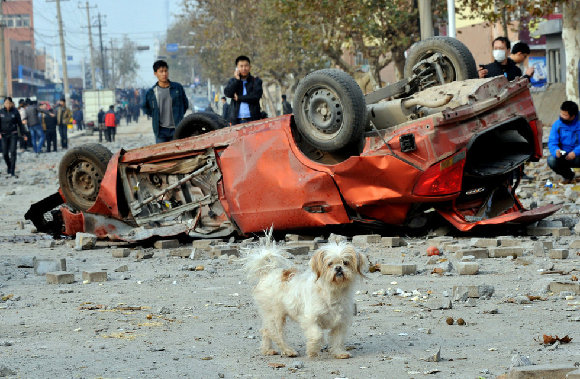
262, 259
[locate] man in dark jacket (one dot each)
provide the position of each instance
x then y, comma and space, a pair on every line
101, 122
48, 122
286, 107
166, 102
246, 92
10, 130
63, 115
502, 64
225, 109
34, 126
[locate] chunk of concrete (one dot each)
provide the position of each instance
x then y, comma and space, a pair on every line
390, 241
95, 276
476, 253
183, 252
26, 261
144, 254
85, 241
166, 244
567, 286
60, 277
398, 269
366, 239
298, 250
504, 252
483, 291
120, 253
485, 242
337, 238
558, 254
547, 231
467, 268
42, 266
218, 251
539, 372
539, 250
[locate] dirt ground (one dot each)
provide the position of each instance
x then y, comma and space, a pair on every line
162, 319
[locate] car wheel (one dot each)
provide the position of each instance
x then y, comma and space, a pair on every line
196, 124
330, 110
80, 173
458, 61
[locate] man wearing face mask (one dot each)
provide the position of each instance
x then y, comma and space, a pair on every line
502, 64
564, 142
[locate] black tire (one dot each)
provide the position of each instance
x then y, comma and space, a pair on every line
460, 64
80, 173
335, 93
199, 123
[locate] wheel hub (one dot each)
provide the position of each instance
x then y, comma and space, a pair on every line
84, 180
325, 111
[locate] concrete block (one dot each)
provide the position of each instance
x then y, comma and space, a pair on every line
297, 237
85, 241
183, 252
567, 286
548, 245
547, 231
503, 252
120, 253
539, 372
123, 268
217, 251
312, 245
483, 291
206, 243
398, 269
390, 241
476, 253
95, 276
46, 244
485, 242
298, 250
539, 250
26, 261
42, 266
509, 242
166, 244
143, 254
337, 238
558, 254
575, 244
467, 268
573, 374
366, 239
60, 277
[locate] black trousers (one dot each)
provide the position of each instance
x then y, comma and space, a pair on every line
50, 139
9, 142
63, 131
110, 133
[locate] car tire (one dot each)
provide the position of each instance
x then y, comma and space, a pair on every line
330, 110
199, 123
80, 173
460, 64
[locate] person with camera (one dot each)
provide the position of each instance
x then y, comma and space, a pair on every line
564, 142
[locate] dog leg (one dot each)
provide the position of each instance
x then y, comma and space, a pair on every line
276, 327
314, 338
336, 342
267, 343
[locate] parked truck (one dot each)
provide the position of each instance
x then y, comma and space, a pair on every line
95, 100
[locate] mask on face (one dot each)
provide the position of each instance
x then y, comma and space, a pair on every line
499, 55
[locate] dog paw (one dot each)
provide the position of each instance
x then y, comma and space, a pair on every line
342, 355
290, 353
269, 352
312, 354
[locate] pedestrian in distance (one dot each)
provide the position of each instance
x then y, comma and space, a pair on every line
225, 109
49, 124
246, 92
34, 126
11, 129
111, 121
166, 102
502, 64
286, 107
79, 119
564, 142
521, 52
101, 123
22, 112
63, 116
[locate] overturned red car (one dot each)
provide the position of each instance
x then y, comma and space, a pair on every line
436, 140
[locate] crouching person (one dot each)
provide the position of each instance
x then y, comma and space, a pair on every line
564, 142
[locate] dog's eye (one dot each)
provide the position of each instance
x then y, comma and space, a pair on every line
345, 263
329, 264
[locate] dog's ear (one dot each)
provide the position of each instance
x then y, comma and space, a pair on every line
317, 262
361, 264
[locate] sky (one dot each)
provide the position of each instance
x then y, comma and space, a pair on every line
143, 21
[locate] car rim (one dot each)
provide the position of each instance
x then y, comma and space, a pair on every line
84, 180
324, 111
446, 66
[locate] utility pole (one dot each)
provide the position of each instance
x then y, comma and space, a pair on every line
62, 49
93, 77
112, 65
104, 73
451, 19
425, 19
2, 55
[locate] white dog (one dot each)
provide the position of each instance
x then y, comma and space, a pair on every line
319, 299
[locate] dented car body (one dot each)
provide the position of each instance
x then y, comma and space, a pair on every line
461, 156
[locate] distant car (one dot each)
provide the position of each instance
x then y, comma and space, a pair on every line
391, 157
199, 103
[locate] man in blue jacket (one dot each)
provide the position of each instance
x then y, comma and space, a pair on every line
165, 102
246, 92
564, 142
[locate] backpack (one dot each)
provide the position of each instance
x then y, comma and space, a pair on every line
110, 119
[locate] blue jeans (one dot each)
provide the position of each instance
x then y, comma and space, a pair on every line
37, 136
563, 167
164, 135
63, 131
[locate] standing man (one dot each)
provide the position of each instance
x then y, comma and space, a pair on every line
101, 122
564, 142
111, 124
225, 109
286, 107
63, 115
48, 122
246, 92
521, 52
10, 130
34, 126
22, 112
165, 102
79, 119
502, 64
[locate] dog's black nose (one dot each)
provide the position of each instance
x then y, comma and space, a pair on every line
338, 269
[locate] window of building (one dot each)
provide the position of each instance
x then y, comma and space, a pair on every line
17, 20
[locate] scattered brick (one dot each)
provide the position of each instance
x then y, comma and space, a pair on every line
546, 231
486, 242
538, 371
120, 253
95, 276
558, 254
390, 241
123, 268
298, 250
181, 252
366, 239
85, 241
26, 261
142, 254
42, 266
476, 253
575, 244
60, 277
166, 244
561, 286
206, 243
539, 250
467, 268
398, 269
503, 252
312, 245
217, 251
483, 291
